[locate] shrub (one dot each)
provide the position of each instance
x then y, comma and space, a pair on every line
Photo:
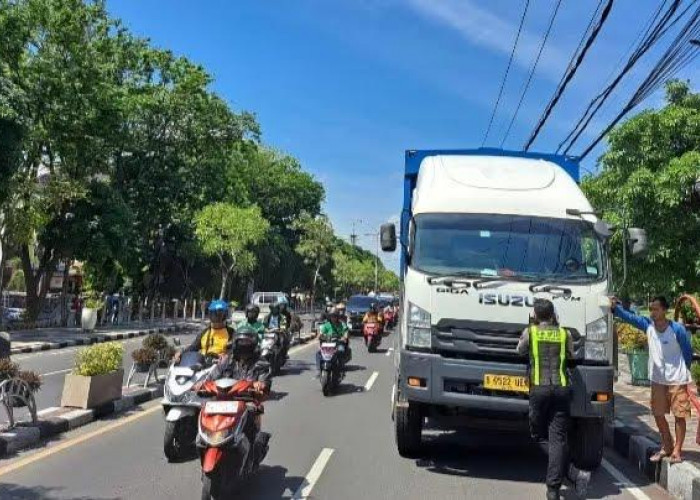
99, 359
631, 338
8, 369
695, 372
145, 356
33, 379
156, 342
93, 302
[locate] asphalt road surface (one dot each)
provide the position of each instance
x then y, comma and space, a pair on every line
339, 447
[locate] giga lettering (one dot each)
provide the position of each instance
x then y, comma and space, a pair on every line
505, 299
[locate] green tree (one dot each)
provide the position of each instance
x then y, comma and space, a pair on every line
646, 175
229, 232
316, 245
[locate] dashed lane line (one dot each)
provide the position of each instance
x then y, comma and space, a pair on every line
314, 474
371, 381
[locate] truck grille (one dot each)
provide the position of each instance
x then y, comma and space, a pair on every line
467, 339
477, 339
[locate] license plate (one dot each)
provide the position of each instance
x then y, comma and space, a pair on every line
222, 407
509, 383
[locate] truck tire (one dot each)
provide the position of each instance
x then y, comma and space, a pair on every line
587, 443
408, 423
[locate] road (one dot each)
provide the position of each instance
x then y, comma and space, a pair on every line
54, 364
344, 441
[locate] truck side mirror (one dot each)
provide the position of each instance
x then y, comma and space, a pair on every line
602, 229
387, 234
637, 240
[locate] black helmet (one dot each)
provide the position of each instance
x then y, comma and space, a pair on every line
274, 309
373, 307
333, 313
252, 312
245, 343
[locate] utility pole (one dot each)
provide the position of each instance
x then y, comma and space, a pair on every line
353, 235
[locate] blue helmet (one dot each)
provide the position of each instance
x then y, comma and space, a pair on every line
218, 306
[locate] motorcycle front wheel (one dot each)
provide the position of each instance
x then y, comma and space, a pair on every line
325, 382
175, 438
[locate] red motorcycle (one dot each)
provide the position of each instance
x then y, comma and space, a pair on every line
229, 439
372, 333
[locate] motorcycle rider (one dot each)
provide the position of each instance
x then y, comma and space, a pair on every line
252, 312
212, 341
243, 362
342, 312
334, 329
275, 320
374, 316
284, 311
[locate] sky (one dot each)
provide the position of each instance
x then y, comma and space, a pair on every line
346, 86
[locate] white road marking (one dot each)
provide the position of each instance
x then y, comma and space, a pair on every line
371, 381
389, 351
57, 372
314, 474
624, 483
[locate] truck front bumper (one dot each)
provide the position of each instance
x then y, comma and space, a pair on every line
458, 383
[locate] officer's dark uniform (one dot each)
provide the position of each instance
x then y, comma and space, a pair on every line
548, 347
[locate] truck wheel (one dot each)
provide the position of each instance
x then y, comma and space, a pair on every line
408, 423
587, 443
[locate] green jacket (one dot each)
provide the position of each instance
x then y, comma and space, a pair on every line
328, 329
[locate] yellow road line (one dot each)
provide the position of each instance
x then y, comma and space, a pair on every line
75, 441
98, 432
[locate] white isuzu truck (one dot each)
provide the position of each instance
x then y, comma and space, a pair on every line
483, 233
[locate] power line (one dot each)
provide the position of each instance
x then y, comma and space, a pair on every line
505, 77
654, 32
678, 55
532, 72
579, 56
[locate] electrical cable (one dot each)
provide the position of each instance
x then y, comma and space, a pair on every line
569, 74
678, 55
651, 37
532, 72
505, 76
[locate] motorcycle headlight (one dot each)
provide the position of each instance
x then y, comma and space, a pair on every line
217, 438
418, 327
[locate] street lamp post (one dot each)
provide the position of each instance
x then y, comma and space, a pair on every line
376, 263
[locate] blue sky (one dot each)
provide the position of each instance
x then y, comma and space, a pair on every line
347, 85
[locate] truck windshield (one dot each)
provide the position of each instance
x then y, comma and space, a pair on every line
508, 246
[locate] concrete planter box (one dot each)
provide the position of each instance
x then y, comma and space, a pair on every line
89, 392
88, 319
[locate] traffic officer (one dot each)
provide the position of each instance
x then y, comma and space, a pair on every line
549, 346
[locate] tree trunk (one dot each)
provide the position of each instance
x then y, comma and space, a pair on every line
224, 280
37, 283
64, 295
313, 292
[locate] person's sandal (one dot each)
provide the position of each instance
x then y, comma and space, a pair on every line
675, 459
658, 456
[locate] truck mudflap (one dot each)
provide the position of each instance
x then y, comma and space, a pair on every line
440, 381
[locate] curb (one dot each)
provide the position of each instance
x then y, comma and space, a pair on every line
54, 421
94, 339
680, 480
52, 424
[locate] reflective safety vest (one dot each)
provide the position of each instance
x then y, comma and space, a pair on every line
548, 356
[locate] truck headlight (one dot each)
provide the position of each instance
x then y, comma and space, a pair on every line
418, 327
597, 336
598, 330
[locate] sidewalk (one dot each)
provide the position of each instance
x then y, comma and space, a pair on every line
634, 436
40, 339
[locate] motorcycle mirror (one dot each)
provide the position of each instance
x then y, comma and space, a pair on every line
177, 342
637, 241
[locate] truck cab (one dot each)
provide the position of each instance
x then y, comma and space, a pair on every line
484, 233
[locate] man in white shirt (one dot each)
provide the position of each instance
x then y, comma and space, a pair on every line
670, 355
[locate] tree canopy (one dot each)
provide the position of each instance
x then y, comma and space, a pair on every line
645, 180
